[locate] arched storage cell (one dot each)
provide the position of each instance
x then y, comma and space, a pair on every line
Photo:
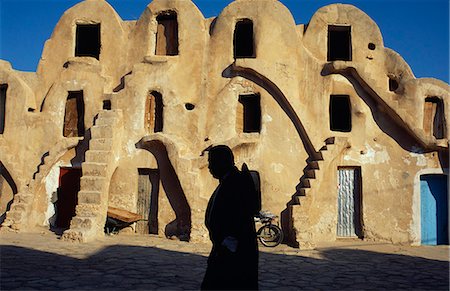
167, 34
3, 90
74, 115
88, 40
434, 118
243, 39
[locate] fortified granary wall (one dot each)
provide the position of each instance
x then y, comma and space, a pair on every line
119, 113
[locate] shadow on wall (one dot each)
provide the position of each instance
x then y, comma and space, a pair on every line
181, 226
6, 202
124, 267
385, 117
233, 71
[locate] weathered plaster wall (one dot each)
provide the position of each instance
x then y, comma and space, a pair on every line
294, 80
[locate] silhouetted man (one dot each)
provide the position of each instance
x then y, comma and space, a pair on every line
233, 261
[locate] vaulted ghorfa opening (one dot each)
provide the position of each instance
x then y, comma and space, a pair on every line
249, 113
3, 89
243, 41
154, 112
74, 115
434, 117
87, 42
167, 34
339, 43
340, 113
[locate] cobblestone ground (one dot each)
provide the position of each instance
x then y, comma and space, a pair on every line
43, 262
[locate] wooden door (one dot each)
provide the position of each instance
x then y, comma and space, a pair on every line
147, 202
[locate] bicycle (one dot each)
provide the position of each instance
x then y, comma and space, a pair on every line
270, 235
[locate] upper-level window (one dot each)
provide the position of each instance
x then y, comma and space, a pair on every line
3, 89
87, 43
249, 113
74, 115
339, 43
154, 112
243, 42
340, 113
167, 34
434, 117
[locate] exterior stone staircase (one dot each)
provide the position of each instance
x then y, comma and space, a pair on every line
301, 200
386, 102
19, 216
97, 169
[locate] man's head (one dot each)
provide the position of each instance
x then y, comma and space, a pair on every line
221, 161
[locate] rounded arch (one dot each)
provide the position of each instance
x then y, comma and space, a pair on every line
273, 27
191, 27
365, 33
166, 154
63, 40
20, 92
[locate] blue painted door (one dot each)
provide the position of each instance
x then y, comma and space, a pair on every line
434, 209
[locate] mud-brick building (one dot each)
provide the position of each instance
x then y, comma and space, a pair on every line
347, 142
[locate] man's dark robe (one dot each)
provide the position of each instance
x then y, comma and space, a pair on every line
230, 214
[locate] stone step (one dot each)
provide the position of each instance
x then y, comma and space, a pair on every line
81, 222
18, 207
24, 198
301, 191
330, 140
95, 156
87, 210
102, 131
102, 144
94, 169
108, 114
75, 235
93, 183
89, 197
307, 182
313, 165
106, 121
309, 173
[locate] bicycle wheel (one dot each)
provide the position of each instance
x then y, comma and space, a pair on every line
270, 235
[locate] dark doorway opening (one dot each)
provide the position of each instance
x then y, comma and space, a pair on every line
147, 203
243, 42
3, 89
339, 43
250, 117
69, 186
87, 43
74, 115
154, 112
434, 117
167, 34
340, 113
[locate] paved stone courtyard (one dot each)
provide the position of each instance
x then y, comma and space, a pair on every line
41, 261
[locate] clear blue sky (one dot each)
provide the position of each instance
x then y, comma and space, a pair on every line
417, 29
